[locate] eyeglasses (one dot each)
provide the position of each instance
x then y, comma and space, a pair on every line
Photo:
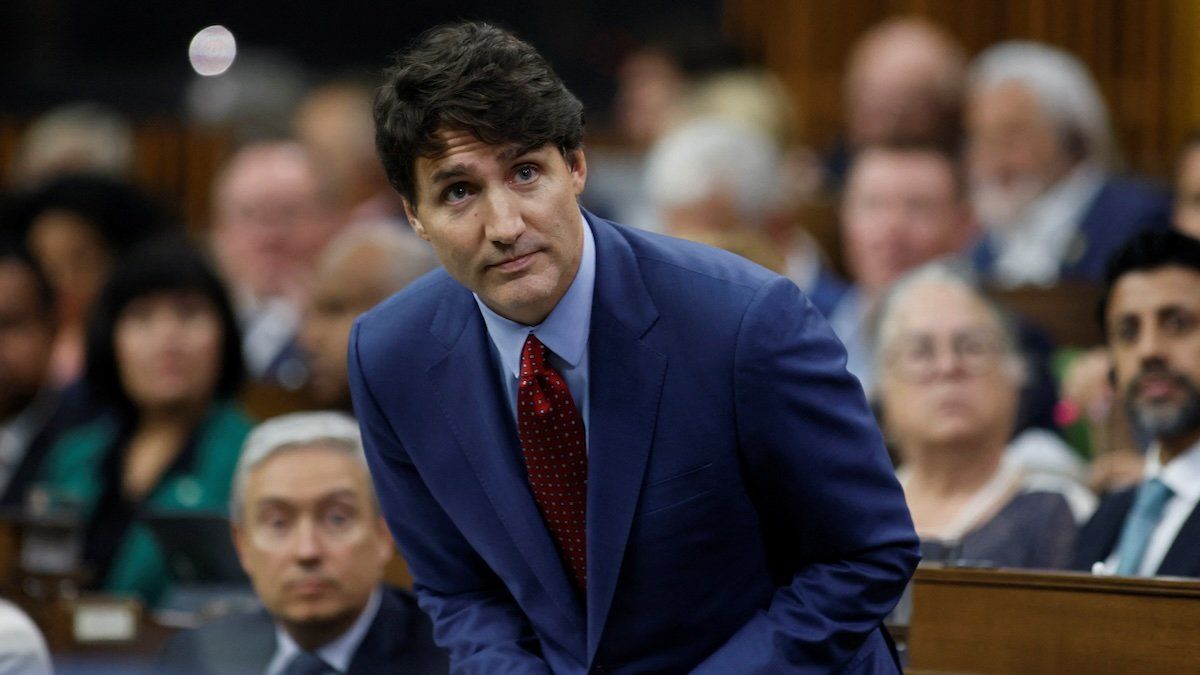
916, 357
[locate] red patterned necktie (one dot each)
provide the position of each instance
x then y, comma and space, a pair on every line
553, 442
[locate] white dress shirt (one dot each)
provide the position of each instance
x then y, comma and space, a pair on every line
22, 649
1031, 249
1182, 475
338, 652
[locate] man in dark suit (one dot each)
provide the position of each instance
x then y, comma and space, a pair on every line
1151, 316
1042, 162
32, 410
309, 534
603, 450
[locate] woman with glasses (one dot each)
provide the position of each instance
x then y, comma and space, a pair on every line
950, 377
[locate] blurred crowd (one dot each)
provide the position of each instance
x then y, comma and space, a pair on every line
138, 351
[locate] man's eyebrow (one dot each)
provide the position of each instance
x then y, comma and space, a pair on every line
514, 151
448, 172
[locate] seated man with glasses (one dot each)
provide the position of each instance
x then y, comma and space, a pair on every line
949, 381
310, 535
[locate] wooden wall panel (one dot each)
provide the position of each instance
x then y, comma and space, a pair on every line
1143, 53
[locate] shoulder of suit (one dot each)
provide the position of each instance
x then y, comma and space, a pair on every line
662, 254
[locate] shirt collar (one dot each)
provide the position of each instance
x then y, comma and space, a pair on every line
1181, 474
340, 651
565, 330
1060, 207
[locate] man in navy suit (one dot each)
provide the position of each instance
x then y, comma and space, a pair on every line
1042, 161
693, 482
309, 534
1151, 315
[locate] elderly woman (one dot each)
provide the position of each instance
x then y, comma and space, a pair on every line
165, 353
949, 389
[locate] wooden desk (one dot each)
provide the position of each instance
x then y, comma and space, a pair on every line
1008, 621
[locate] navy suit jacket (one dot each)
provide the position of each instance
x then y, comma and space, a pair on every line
742, 513
399, 641
1098, 538
1122, 209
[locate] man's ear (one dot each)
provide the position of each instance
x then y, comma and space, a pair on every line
239, 545
577, 164
413, 221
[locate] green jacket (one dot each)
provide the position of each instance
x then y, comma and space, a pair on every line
74, 473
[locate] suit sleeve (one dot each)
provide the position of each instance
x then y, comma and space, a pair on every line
833, 512
474, 616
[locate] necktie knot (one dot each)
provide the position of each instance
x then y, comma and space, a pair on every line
307, 663
533, 356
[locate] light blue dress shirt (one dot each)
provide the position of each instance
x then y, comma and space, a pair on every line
564, 332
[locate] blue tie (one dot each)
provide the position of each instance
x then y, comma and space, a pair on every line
1143, 518
307, 663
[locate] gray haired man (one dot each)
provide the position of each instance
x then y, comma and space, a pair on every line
309, 534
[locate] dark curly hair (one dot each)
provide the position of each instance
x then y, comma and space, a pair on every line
471, 77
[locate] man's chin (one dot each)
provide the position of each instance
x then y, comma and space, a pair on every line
315, 610
997, 207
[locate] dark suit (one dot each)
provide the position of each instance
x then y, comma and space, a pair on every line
742, 514
1098, 538
1122, 209
66, 409
398, 641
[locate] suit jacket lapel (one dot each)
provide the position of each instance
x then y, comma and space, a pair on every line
626, 379
1183, 558
468, 390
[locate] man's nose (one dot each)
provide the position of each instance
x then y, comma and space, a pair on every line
504, 221
1150, 345
307, 544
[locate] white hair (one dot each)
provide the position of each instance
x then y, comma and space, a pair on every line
953, 275
335, 431
707, 154
1063, 88
408, 256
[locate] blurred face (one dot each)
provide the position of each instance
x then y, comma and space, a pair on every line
944, 381
503, 220
648, 89
341, 291
1014, 152
168, 348
1187, 194
893, 95
1154, 336
76, 259
310, 539
271, 220
901, 210
26, 337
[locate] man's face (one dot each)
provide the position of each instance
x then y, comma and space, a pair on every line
1014, 153
271, 220
901, 210
1153, 325
26, 338
503, 220
1187, 194
342, 289
311, 540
